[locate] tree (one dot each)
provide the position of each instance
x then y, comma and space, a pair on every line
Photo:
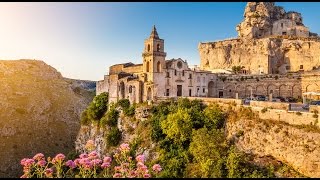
178, 126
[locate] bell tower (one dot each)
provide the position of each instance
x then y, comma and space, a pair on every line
153, 54
153, 65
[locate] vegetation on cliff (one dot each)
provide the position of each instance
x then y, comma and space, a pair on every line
186, 137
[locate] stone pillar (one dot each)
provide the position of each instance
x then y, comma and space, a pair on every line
270, 97
237, 96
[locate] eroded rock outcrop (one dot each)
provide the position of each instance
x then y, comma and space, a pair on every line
297, 147
270, 41
39, 112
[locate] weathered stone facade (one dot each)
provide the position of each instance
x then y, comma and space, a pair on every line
271, 41
156, 77
279, 65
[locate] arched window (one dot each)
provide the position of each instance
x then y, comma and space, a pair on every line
158, 66
148, 47
130, 89
158, 47
182, 72
147, 66
190, 76
175, 72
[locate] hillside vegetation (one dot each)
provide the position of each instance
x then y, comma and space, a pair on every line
187, 138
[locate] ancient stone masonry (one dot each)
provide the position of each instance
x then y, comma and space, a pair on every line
271, 41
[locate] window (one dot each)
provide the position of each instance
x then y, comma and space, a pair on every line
229, 90
168, 92
158, 47
301, 66
182, 72
148, 47
179, 64
175, 72
204, 90
168, 74
130, 89
147, 66
189, 92
197, 89
281, 25
158, 66
284, 33
190, 76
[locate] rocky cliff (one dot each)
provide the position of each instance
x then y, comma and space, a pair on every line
265, 55
39, 112
297, 146
270, 41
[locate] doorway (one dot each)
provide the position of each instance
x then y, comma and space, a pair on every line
179, 90
220, 94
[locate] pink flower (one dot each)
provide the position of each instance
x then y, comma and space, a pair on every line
88, 164
140, 164
76, 161
70, 164
48, 172
156, 168
144, 168
117, 175
107, 159
28, 162
23, 161
96, 162
93, 155
125, 164
38, 156
117, 168
146, 176
60, 157
124, 147
132, 174
42, 163
140, 158
24, 176
84, 161
83, 156
105, 165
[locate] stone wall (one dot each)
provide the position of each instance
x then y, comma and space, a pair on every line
218, 100
272, 105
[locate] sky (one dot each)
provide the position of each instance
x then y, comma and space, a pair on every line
81, 40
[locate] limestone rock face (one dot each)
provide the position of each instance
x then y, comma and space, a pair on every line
270, 40
259, 18
297, 147
39, 112
258, 56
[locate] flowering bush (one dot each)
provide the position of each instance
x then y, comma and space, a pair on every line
89, 165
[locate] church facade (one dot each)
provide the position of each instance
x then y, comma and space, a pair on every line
156, 77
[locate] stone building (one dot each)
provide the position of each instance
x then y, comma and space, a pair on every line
156, 77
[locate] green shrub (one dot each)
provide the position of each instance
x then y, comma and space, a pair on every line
98, 107
84, 120
129, 111
124, 103
111, 118
114, 137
